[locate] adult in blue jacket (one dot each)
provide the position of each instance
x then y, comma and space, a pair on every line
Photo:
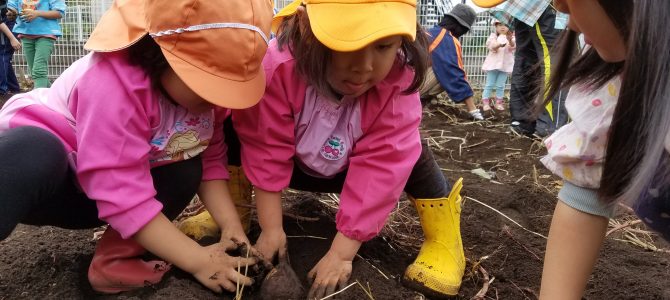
447, 72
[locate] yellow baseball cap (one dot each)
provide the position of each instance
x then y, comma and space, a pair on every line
215, 47
487, 3
349, 25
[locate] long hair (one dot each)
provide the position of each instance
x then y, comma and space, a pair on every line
313, 58
589, 69
636, 154
146, 54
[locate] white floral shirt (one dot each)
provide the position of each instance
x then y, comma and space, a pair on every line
576, 151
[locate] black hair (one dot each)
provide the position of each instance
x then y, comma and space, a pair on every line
572, 68
310, 54
146, 54
636, 156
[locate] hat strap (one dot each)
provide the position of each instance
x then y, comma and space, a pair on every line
211, 26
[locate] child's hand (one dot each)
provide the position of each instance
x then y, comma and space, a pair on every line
270, 242
29, 15
331, 273
334, 269
234, 232
218, 270
11, 14
502, 41
16, 44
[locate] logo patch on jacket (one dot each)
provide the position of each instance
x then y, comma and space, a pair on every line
333, 148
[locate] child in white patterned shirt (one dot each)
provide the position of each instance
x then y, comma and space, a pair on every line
617, 147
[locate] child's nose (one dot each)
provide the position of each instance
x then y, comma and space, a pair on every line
363, 60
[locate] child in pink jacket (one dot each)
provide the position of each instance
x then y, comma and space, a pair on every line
129, 133
497, 65
341, 114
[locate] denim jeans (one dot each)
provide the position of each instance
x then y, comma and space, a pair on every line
495, 82
8, 81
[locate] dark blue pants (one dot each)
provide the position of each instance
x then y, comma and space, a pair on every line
8, 81
653, 205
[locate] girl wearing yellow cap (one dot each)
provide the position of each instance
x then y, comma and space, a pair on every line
128, 134
341, 114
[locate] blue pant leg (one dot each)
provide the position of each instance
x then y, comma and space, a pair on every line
5, 67
501, 80
490, 83
12, 82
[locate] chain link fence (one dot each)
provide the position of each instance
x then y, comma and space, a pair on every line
82, 15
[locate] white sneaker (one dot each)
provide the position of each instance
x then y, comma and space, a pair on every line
477, 115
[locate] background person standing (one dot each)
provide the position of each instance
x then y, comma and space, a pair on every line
8, 44
38, 28
536, 26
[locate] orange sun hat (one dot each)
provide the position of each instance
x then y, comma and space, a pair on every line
215, 47
348, 25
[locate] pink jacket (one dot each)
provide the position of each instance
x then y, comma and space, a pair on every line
501, 59
374, 137
116, 127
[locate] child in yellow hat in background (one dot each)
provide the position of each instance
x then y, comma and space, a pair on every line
129, 133
341, 114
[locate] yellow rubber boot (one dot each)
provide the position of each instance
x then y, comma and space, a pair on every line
240, 190
203, 225
438, 270
200, 226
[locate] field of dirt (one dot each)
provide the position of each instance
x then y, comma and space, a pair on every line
51, 263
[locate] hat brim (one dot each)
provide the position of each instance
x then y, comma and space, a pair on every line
487, 3
288, 10
349, 27
460, 21
218, 90
122, 25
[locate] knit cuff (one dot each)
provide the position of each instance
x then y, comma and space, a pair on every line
585, 200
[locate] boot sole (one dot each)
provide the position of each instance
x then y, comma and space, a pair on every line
430, 293
115, 290
418, 280
101, 285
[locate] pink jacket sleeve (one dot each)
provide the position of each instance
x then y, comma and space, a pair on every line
114, 122
381, 160
492, 42
214, 158
267, 130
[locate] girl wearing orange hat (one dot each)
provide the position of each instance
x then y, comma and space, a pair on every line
341, 114
129, 133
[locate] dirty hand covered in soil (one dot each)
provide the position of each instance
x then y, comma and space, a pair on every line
504, 260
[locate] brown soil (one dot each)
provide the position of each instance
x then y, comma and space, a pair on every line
51, 263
